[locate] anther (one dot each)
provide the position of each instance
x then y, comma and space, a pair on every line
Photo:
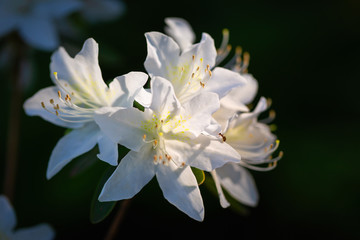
238, 50
192, 75
193, 57
59, 94
202, 84
144, 137
52, 101
246, 56
43, 104
223, 137
155, 143
210, 73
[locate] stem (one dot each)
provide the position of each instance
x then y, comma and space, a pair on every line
13, 125
119, 217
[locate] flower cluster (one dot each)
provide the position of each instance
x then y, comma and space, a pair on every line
194, 115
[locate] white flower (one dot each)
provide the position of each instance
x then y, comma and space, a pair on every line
34, 20
255, 143
165, 141
8, 223
253, 140
78, 96
235, 100
190, 70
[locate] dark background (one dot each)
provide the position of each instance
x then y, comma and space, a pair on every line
305, 56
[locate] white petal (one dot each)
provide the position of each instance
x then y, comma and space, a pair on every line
223, 80
181, 31
223, 202
82, 74
239, 96
135, 170
7, 215
144, 97
38, 232
203, 152
260, 107
108, 150
198, 113
39, 33
124, 88
205, 49
163, 100
239, 183
180, 188
32, 107
163, 52
223, 115
124, 126
72, 145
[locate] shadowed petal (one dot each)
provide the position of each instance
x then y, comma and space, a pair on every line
72, 145
135, 170
38, 232
239, 183
108, 150
7, 215
180, 188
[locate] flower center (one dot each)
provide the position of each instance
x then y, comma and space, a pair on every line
190, 77
158, 127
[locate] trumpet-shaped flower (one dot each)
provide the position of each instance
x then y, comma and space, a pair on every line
255, 143
237, 98
78, 96
35, 20
190, 70
164, 141
8, 223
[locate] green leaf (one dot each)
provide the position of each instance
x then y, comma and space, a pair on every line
100, 210
199, 174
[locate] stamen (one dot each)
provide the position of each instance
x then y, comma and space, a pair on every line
222, 137
155, 143
193, 57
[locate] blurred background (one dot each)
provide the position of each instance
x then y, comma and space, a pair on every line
305, 56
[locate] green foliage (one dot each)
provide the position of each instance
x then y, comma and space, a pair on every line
100, 210
199, 174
